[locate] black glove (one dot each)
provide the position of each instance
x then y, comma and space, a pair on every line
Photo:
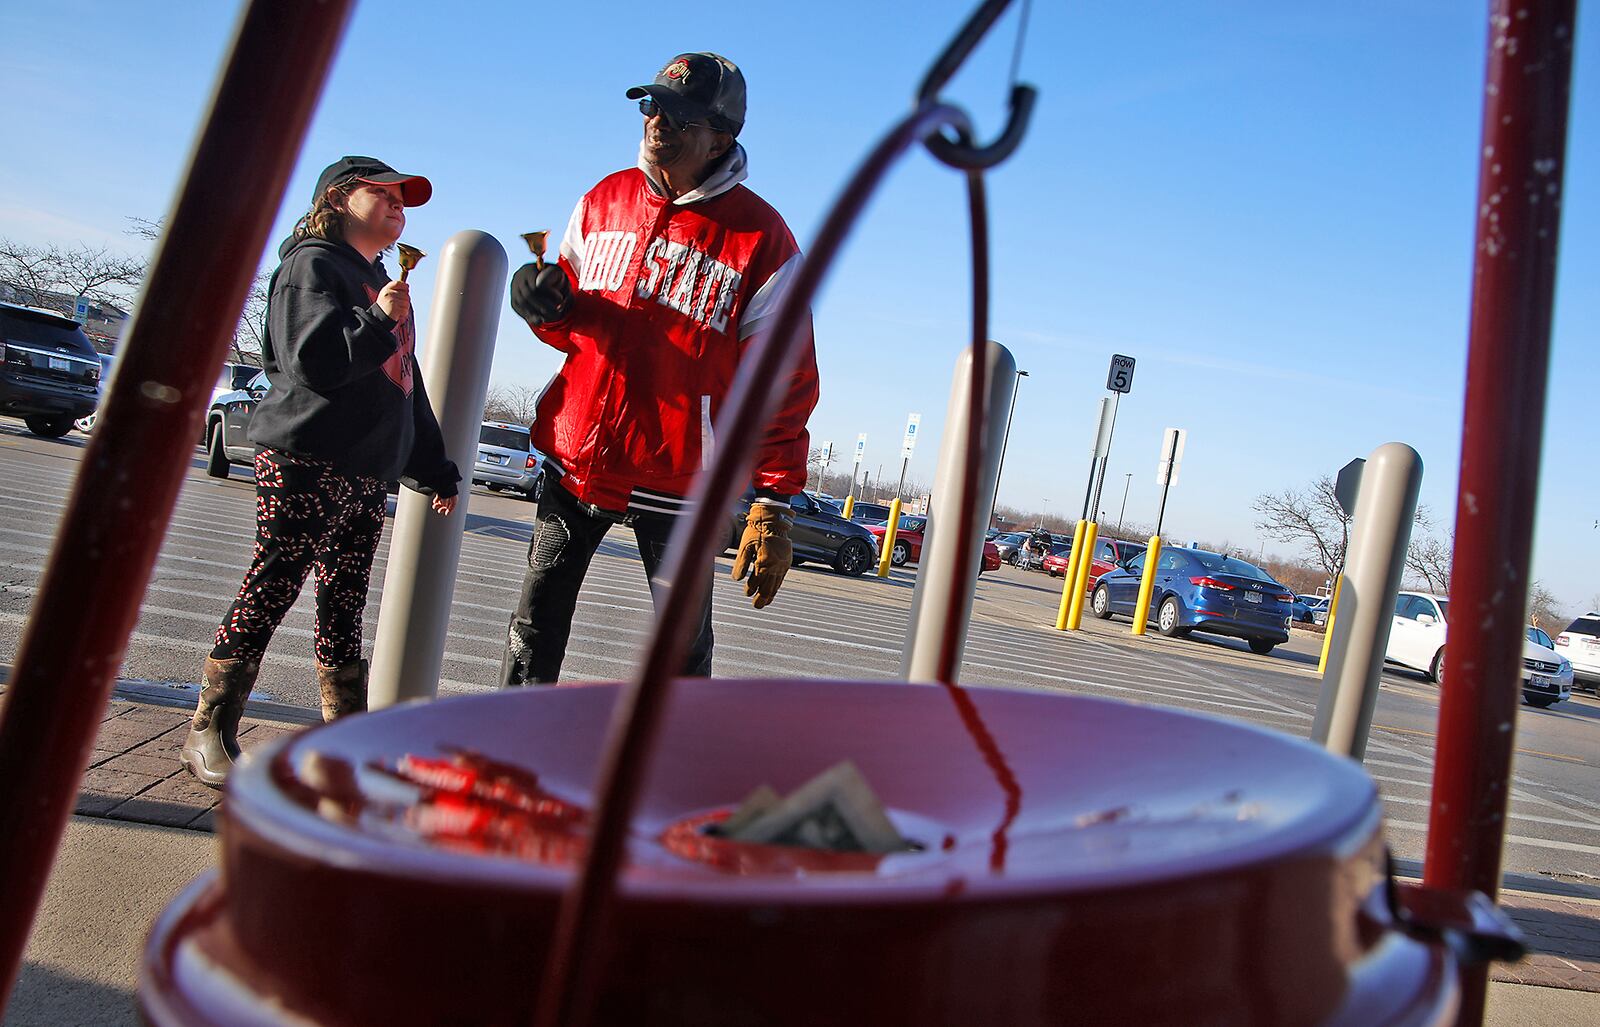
540, 295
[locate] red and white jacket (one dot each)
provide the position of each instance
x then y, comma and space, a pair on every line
668, 295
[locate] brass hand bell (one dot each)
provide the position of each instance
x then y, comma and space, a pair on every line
536, 243
407, 257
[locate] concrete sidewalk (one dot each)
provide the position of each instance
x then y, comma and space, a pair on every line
143, 831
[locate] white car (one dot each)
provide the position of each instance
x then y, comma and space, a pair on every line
1546, 674
1417, 641
1580, 643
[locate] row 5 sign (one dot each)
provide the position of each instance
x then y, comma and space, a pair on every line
1120, 377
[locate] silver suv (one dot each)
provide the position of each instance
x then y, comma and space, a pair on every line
506, 459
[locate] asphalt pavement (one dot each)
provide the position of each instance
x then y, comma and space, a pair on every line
822, 625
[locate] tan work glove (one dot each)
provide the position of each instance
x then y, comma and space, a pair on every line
764, 552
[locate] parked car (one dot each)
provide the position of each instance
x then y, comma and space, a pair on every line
1008, 544
1546, 674
49, 371
86, 423
1109, 554
1058, 559
1197, 590
1419, 632
227, 436
1310, 609
231, 378
818, 534
908, 543
507, 459
907, 538
1580, 644
869, 513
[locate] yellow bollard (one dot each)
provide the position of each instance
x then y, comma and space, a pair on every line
1080, 580
849, 505
1327, 629
1066, 586
889, 532
1147, 584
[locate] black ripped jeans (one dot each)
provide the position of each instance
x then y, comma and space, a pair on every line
565, 536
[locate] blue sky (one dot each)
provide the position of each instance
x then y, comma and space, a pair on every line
1270, 206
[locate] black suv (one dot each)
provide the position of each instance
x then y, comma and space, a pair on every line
818, 534
49, 371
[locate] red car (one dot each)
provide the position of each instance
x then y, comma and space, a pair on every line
908, 543
1057, 559
1107, 553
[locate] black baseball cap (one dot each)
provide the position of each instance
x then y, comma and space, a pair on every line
698, 87
414, 189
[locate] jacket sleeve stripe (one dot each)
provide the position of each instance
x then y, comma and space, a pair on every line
765, 302
572, 246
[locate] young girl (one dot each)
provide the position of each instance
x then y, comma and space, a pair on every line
345, 415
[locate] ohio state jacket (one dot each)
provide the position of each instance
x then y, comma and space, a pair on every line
667, 297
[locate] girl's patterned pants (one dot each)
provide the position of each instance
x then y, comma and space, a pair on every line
308, 517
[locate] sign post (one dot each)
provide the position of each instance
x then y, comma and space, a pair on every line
855, 476
913, 423
1166, 476
824, 460
1167, 468
80, 311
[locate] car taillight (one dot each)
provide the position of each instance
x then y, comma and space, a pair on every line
533, 461
1204, 582
1562, 640
1284, 598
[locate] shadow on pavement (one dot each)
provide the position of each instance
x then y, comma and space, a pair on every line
47, 995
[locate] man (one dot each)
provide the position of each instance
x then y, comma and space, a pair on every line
667, 273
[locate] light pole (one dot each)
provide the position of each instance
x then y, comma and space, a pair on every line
994, 500
1045, 514
1124, 513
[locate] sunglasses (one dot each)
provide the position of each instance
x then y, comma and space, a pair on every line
649, 108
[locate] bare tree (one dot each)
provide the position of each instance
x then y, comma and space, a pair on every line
1544, 609
1310, 517
1428, 560
250, 335
46, 276
514, 404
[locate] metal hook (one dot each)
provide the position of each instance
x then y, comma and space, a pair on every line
962, 153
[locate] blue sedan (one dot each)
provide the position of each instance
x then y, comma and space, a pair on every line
1197, 590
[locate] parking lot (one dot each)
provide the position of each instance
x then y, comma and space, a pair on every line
822, 625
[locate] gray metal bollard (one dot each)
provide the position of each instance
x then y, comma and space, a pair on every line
1385, 509
415, 615
931, 598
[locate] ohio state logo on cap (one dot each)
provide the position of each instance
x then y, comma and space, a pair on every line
678, 69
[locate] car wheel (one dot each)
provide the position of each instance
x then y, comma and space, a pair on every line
86, 424
899, 554
49, 427
1101, 603
1436, 671
1167, 617
217, 462
853, 558
1262, 646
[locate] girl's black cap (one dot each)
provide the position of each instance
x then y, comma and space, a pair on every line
414, 189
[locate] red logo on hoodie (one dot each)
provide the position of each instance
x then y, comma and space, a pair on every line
398, 367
